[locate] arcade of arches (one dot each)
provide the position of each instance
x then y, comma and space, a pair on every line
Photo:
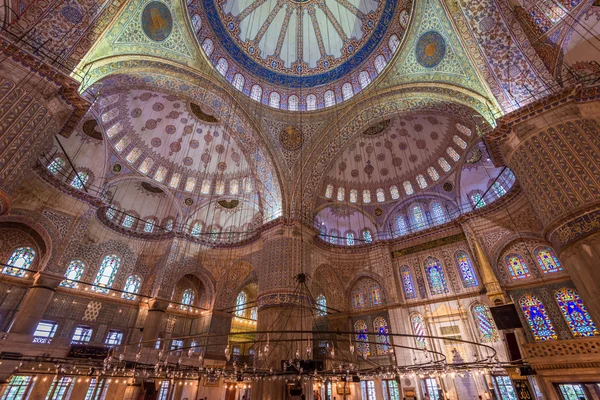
298, 199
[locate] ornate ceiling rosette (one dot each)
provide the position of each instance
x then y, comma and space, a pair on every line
297, 55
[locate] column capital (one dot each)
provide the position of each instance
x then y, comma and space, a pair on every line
47, 280
155, 304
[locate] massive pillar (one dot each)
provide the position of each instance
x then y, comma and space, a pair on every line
552, 147
155, 322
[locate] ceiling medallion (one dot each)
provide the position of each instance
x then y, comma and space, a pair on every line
291, 138
188, 201
448, 187
89, 128
378, 212
157, 21
117, 168
377, 129
201, 115
229, 205
430, 49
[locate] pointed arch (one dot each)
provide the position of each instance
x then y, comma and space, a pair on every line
537, 318
547, 260
517, 267
435, 276
107, 273
19, 262
575, 313
73, 274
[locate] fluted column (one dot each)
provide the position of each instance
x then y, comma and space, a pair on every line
552, 147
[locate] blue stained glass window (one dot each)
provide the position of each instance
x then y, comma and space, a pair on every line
132, 286
149, 226
498, 189
419, 331
547, 260
401, 225
417, 216
358, 298
435, 276
350, 239
187, 299
517, 267
576, 314
537, 318
438, 213
407, 282
20, 260
380, 327
107, 273
240, 304
333, 236
196, 229
485, 323
362, 338
56, 165
463, 262
73, 274
321, 305
477, 200
79, 180
128, 221
367, 236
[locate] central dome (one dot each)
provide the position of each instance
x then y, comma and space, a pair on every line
300, 54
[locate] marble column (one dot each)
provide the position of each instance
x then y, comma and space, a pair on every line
155, 322
35, 303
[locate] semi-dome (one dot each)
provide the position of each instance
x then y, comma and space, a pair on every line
300, 54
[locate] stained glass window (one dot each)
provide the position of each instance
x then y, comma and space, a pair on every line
375, 295
132, 286
394, 192
20, 260
17, 388
418, 219
485, 323
380, 327
234, 186
311, 102
113, 130
379, 63
160, 174
169, 225
240, 304
467, 273
452, 153
293, 103
408, 188
366, 196
256, 93
407, 282
248, 185
110, 213
73, 274
380, 195
537, 318
393, 43
205, 189
196, 22
353, 195
347, 91
517, 267
79, 180
341, 193
433, 173
362, 339
444, 164
571, 391
238, 82
368, 238
208, 47
505, 388
358, 298
459, 142
214, 233
128, 221
463, 129
401, 225
435, 276
220, 187
56, 165
107, 273
123, 143
190, 184
149, 226
477, 200
187, 299
364, 79
329, 98
547, 260
350, 238
175, 179
134, 154
498, 189
222, 66
576, 314
274, 99
196, 229
321, 305
146, 165
438, 213
421, 181
329, 191
419, 331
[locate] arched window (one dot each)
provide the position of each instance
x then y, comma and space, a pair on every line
362, 338
248, 185
358, 298
240, 305
107, 273
498, 189
214, 233
73, 274
421, 181
537, 318
254, 313
380, 326
190, 184
222, 66
459, 142
485, 323
274, 99
187, 299
293, 103
379, 63
350, 238
341, 194
128, 221
407, 282
234, 186
463, 129
133, 155
438, 213
20, 260
380, 194
463, 263
435, 276
394, 192
311, 102
444, 164
418, 218
364, 79
196, 22
334, 234
205, 189
408, 188
419, 331
329, 191
123, 143
169, 225
394, 43
113, 130
375, 295
175, 179
321, 305
452, 153
56, 165
208, 47
238, 82
146, 165
329, 98
197, 229
347, 90
220, 187
517, 267
433, 174
547, 260
575, 313
149, 226
79, 180
477, 200
110, 213
256, 93
160, 174
401, 225
132, 286
366, 196
367, 236
353, 195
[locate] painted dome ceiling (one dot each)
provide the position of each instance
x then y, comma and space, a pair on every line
409, 153
295, 47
